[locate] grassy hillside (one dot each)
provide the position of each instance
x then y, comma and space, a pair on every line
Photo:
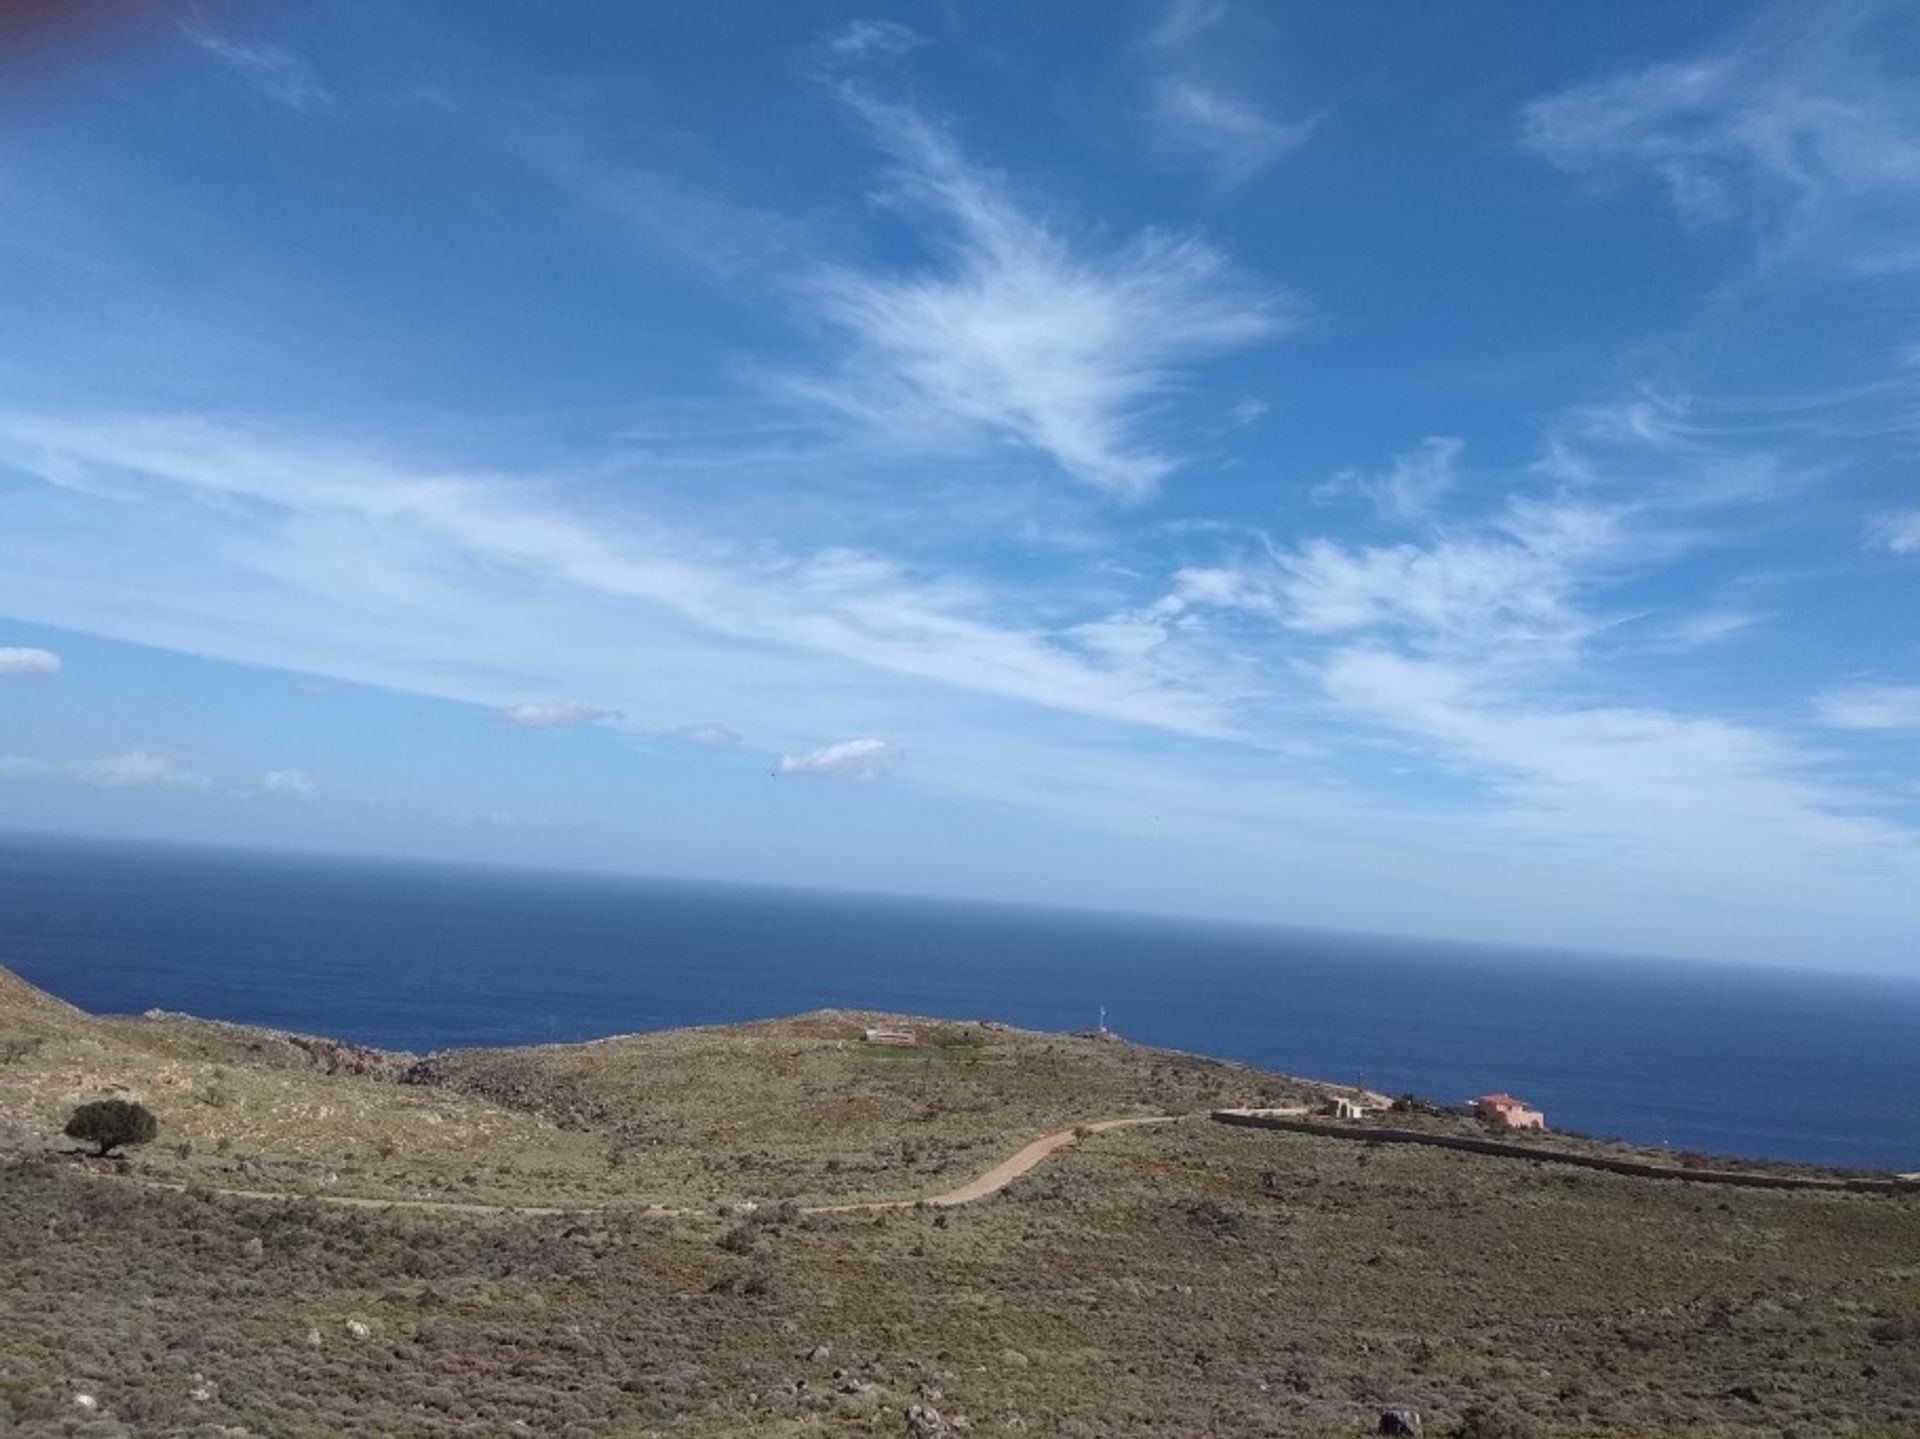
1183, 1280
783, 1109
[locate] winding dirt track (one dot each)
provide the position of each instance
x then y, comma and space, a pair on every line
1001, 1175
984, 1185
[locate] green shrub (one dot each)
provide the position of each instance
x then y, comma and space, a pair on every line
110, 1123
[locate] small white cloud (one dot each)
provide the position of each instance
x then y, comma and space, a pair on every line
135, 769
26, 660
1233, 137
273, 70
1870, 707
859, 41
1247, 409
294, 783
556, 714
139, 767
860, 761
1709, 627
1199, 115
507, 819
1408, 488
709, 732
1123, 638
1897, 532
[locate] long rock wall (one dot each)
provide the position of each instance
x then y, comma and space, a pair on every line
1638, 1168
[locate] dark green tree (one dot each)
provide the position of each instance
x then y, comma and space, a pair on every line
110, 1123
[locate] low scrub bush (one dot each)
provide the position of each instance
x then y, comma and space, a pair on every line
109, 1123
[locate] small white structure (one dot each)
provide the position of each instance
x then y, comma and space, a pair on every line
1346, 1106
881, 1034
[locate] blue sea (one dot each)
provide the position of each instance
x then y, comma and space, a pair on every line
1782, 1064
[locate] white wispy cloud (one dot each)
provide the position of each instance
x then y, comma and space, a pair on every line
292, 783
1708, 627
273, 70
1411, 484
1871, 707
859, 761
346, 545
1616, 488
693, 221
1794, 125
140, 767
556, 714
1199, 116
1513, 581
706, 732
28, 660
1899, 532
1235, 138
862, 40
133, 769
481, 587
1657, 787
1019, 335
1471, 652
1472, 591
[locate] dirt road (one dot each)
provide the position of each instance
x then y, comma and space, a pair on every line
1001, 1175
989, 1183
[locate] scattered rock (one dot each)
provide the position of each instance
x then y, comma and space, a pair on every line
1014, 1359
925, 1423
254, 1248
312, 1341
1481, 1423
820, 1353
1215, 1221
781, 1394
86, 1402
357, 1329
202, 1391
1399, 1421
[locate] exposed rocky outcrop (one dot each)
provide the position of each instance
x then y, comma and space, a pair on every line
499, 1077
222, 1042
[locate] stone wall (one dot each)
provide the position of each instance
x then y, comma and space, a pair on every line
1540, 1154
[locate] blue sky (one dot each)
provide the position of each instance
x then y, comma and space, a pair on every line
1438, 470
